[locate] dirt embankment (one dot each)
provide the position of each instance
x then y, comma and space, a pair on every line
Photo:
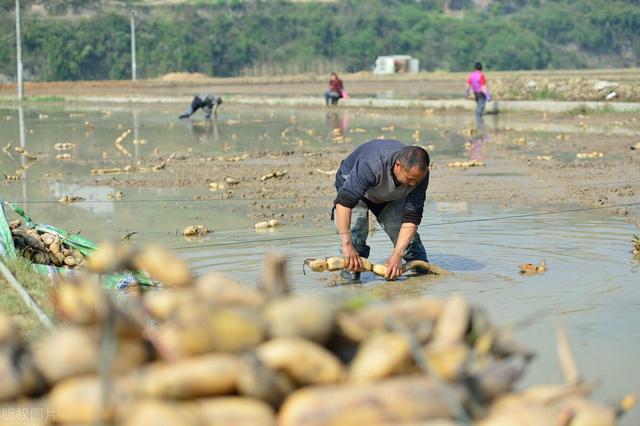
585, 85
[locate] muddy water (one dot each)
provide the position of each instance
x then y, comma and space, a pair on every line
591, 285
92, 133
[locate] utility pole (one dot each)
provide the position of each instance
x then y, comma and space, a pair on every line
19, 50
133, 47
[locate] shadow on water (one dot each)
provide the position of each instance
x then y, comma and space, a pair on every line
456, 263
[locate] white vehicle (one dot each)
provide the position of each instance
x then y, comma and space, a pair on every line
396, 64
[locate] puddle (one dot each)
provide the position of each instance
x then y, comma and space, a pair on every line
591, 285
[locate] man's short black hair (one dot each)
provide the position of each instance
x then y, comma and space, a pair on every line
412, 156
478, 66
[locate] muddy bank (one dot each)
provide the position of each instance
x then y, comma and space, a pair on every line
572, 85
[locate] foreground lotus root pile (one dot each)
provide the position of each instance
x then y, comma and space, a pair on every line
211, 351
43, 247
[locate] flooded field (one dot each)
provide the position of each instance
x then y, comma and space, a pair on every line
480, 223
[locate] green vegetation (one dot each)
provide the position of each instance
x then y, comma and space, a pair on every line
90, 39
45, 99
37, 285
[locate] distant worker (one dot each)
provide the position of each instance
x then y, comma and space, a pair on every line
207, 103
478, 84
390, 179
336, 90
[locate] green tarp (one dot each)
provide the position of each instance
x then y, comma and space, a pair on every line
80, 243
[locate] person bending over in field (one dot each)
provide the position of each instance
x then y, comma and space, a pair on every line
205, 101
390, 179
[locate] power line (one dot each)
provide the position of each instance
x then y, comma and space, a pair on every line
204, 200
489, 219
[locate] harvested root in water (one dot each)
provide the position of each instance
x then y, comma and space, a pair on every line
63, 146
594, 154
316, 265
216, 186
276, 174
413, 265
337, 263
635, 240
267, 224
68, 199
196, 231
26, 154
530, 268
470, 163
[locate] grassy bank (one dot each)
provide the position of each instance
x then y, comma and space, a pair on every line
11, 304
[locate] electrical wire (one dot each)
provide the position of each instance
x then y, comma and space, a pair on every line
204, 200
456, 222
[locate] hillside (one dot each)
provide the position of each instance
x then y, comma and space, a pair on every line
89, 40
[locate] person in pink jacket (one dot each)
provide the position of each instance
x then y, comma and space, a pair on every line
477, 83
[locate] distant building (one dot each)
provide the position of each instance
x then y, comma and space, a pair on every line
396, 64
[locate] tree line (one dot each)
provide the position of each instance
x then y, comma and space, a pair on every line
231, 38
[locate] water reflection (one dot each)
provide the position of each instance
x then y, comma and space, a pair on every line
476, 143
204, 131
337, 123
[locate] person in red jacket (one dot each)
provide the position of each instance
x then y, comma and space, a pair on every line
335, 90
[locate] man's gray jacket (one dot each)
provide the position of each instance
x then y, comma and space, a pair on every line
367, 175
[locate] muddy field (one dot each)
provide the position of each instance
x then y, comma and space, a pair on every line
523, 167
509, 189
528, 160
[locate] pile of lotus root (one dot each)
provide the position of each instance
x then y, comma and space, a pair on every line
212, 351
43, 247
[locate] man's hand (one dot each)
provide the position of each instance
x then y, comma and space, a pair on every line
394, 266
352, 258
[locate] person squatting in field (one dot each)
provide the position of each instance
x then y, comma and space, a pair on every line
335, 92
